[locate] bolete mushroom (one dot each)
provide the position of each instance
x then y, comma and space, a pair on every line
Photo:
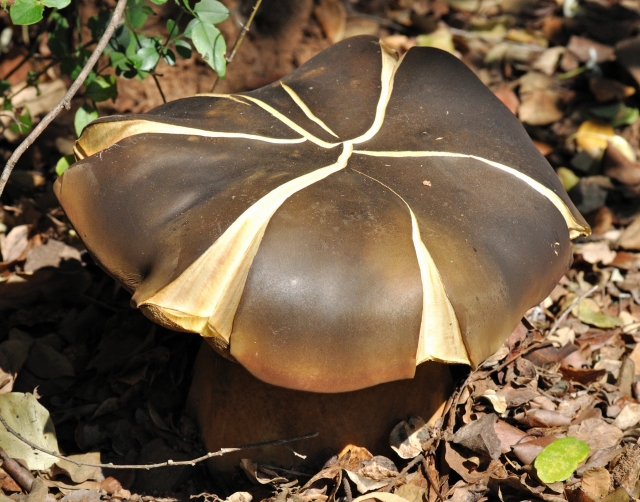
333, 230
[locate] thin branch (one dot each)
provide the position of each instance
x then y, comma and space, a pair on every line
65, 102
155, 78
564, 315
239, 40
168, 463
404, 471
430, 480
243, 32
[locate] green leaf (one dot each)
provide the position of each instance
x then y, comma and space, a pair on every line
58, 36
560, 459
188, 31
588, 312
121, 39
627, 116
56, 4
211, 11
103, 88
172, 28
63, 164
138, 13
183, 48
4, 85
169, 57
118, 60
617, 114
26, 12
159, 2
84, 115
219, 62
98, 24
210, 44
24, 414
23, 123
148, 58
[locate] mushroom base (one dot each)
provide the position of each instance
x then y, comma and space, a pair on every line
234, 408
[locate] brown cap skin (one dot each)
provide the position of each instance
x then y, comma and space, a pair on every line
334, 229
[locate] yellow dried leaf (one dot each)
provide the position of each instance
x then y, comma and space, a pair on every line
594, 135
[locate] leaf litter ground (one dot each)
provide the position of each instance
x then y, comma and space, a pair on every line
115, 384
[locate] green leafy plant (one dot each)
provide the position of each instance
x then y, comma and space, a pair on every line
131, 53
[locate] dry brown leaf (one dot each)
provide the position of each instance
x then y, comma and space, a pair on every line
628, 55
332, 17
407, 437
630, 238
46, 362
544, 418
628, 417
480, 436
412, 493
596, 252
625, 469
508, 435
616, 165
79, 473
539, 108
596, 482
584, 49
606, 89
529, 448
509, 99
597, 433
467, 470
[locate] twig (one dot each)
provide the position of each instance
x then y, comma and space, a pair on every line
19, 474
564, 315
393, 482
168, 463
430, 480
65, 102
155, 78
243, 32
239, 40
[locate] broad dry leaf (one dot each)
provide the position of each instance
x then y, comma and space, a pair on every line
79, 473
31, 420
412, 493
628, 417
596, 482
539, 108
594, 136
588, 311
407, 437
596, 433
596, 252
480, 436
498, 402
630, 238
384, 497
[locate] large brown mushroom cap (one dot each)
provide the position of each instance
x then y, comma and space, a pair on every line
334, 229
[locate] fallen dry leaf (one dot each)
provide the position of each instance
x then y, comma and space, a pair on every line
480, 436
596, 482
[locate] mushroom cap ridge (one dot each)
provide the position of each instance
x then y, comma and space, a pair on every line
293, 228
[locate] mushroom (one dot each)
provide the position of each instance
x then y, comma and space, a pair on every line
334, 230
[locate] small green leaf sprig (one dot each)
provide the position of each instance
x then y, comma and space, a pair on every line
131, 53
